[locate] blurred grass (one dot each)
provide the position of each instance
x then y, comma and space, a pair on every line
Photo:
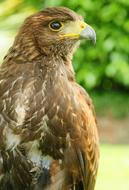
114, 168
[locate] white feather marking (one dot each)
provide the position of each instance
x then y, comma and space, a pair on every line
12, 140
4, 103
46, 161
1, 81
57, 108
1, 119
35, 155
61, 150
44, 85
6, 93
43, 123
14, 82
60, 161
20, 110
68, 140
1, 176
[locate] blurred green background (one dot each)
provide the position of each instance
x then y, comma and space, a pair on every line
102, 69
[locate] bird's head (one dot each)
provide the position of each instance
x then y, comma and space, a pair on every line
57, 29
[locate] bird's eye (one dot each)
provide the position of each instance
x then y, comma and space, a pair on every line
55, 25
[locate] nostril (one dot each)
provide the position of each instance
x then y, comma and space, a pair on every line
82, 26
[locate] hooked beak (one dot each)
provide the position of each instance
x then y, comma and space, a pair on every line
88, 33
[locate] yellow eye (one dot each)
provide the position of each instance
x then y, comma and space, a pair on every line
55, 26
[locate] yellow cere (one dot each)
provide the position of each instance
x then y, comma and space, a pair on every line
73, 29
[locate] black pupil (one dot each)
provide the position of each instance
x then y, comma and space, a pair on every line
55, 25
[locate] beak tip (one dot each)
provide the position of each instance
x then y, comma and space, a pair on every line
94, 40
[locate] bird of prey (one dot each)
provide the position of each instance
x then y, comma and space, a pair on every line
48, 133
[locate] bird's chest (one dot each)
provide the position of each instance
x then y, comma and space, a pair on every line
55, 108
46, 111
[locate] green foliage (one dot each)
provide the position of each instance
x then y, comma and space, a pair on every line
107, 63
112, 104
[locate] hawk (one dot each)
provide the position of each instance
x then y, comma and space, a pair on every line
48, 133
